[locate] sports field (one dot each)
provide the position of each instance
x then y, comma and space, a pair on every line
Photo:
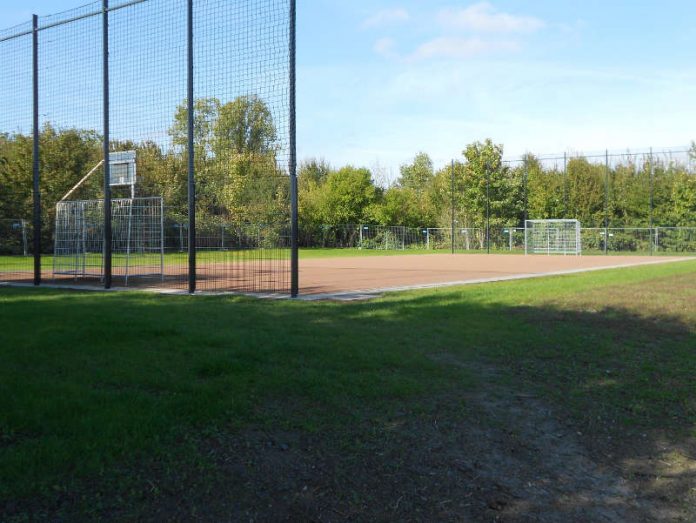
327, 273
564, 398
355, 275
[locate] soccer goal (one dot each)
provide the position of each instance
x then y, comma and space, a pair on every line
137, 238
552, 237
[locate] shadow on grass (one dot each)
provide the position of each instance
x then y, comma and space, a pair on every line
93, 384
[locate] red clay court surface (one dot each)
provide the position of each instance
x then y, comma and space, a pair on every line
327, 277
363, 277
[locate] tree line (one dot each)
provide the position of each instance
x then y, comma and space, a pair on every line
241, 177
482, 188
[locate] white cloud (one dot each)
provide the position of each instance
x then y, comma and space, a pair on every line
386, 17
484, 17
386, 47
461, 48
544, 107
480, 18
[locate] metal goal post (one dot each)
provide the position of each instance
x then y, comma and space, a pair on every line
552, 237
137, 238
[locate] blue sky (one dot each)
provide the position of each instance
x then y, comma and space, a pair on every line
379, 81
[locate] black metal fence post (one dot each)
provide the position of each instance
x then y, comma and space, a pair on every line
294, 225
452, 204
525, 182
107, 166
190, 146
606, 201
650, 210
565, 185
488, 208
36, 152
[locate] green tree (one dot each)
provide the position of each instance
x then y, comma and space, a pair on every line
162, 173
585, 192
237, 174
66, 156
399, 206
313, 171
491, 183
205, 114
447, 195
244, 127
347, 196
544, 189
15, 176
683, 212
312, 175
417, 175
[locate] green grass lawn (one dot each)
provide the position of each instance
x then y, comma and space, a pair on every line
91, 384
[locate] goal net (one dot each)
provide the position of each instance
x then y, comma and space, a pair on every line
137, 238
552, 237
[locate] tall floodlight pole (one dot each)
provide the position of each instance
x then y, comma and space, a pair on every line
191, 158
606, 201
107, 166
36, 152
452, 205
294, 219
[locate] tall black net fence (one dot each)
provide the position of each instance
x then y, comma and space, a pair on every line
242, 83
16, 196
123, 70
70, 91
148, 110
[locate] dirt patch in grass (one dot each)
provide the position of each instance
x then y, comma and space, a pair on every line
491, 454
634, 399
495, 453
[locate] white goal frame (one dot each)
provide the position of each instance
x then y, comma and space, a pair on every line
137, 237
554, 236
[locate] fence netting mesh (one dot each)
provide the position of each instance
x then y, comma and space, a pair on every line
241, 77
16, 230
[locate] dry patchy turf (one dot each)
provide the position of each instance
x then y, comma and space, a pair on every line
561, 399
